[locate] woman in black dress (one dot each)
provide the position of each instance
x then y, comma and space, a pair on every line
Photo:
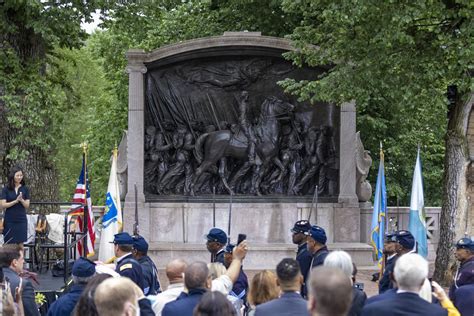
15, 199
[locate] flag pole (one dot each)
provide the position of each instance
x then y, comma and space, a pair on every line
86, 206
385, 221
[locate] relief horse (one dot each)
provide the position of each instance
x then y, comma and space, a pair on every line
216, 146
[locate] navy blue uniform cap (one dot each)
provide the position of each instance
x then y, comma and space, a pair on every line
217, 234
318, 234
140, 244
301, 226
465, 243
123, 239
83, 268
405, 239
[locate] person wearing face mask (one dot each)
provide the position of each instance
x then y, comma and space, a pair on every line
15, 198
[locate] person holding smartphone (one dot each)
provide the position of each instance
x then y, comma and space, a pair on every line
15, 199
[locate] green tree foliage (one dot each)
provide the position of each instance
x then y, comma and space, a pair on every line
92, 116
396, 60
33, 98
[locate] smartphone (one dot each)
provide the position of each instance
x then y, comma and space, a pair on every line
240, 238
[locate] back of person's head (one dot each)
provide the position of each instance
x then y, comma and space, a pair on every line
330, 291
86, 305
116, 296
214, 304
340, 259
9, 253
288, 273
216, 269
263, 288
195, 275
175, 270
410, 272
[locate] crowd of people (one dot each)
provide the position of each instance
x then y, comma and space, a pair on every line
316, 281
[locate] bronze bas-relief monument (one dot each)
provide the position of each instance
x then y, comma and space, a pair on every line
208, 114
223, 124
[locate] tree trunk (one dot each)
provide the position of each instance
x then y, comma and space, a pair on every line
454, 208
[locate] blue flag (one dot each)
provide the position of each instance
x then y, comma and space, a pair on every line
417, 222
377, 227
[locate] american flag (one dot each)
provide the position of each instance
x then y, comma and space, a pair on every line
81, 195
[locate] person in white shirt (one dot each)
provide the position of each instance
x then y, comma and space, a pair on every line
175, 274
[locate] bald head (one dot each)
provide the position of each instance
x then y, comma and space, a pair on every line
195, 275
175, 270
330, 291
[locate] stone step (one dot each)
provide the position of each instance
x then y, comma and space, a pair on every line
260, 256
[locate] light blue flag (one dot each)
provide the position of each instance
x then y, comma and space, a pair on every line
380, 210
417, 223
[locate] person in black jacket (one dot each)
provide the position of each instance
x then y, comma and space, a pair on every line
303, 256
150, 272
11, 261
317, 245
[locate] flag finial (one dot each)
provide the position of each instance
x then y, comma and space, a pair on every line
84, 146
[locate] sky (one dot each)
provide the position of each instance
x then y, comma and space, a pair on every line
91, 27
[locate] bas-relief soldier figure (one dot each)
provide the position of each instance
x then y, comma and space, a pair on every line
310, 145
183, 144
161, 156
289, 147
246, 126
325, 150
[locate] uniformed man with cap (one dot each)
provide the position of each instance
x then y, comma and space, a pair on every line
241, 286
465, 273
216, 240
404, 243
316, 245
82, 271
126, 265
389, 251
150, 272
303, 256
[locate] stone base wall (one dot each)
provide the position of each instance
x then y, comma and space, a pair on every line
176, 230
260, 256
265, 223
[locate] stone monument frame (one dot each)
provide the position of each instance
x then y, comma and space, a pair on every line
343, 216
